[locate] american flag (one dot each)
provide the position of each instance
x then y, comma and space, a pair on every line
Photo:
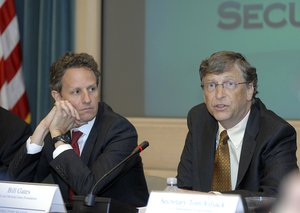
13, 95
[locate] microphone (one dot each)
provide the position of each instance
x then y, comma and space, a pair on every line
90, 198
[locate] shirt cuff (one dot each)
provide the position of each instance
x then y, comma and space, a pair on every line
61, 149
33, 148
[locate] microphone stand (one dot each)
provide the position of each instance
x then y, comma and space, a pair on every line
90, 198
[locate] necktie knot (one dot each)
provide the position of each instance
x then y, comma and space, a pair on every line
222, 173
75, 137
224, 137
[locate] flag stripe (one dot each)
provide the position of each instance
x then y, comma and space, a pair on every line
3, 96
7, 11
10, 38
2, 70
19, 109
13, 95
13, 63
12, 91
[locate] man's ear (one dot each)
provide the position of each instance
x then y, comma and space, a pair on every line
56, 95
250, 91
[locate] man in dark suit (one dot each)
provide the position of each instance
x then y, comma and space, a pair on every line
261, 145
13, 134
106, 139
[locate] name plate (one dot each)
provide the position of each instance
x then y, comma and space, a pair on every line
30, 197
169, 202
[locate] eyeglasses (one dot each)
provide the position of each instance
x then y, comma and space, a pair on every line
211, 86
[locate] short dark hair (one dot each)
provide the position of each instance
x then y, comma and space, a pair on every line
71, 60
222, 61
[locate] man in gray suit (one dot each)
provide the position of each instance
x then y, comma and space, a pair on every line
260, 147
105, 139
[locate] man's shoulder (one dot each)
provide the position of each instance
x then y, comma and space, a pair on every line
106, 115
199, 115
12, 123
269, 118
106, 112
199, 109
8, 116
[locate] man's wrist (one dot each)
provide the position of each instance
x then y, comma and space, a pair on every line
58, 143
55, 133
65, 138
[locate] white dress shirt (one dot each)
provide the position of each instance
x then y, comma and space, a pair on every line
235, 142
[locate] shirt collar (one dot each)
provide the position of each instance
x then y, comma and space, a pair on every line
236, 133
86, 128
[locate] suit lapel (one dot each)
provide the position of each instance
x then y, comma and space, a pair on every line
206, 144
89, 146
208, 156
249, 143
92, 138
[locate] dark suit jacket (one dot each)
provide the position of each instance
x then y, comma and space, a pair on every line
268, 152
13, 134
112, 138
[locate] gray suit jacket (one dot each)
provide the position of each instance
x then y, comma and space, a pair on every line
268, 152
